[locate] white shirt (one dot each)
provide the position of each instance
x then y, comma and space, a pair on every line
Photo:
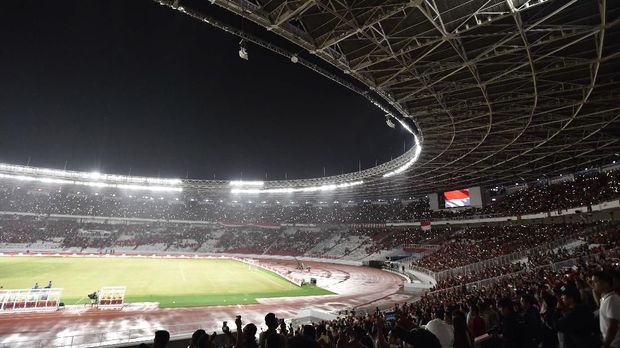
609, 309
443, 331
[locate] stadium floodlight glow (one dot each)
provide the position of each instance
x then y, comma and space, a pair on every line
46, 180
402, 123
329, 187
241, 183
416, 154
85, 176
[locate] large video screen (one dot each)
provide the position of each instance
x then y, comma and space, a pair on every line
457, 198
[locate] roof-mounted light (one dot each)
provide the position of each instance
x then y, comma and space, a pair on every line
241, 183
329, 187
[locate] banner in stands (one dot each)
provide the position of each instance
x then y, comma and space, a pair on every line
426, 225
367, 225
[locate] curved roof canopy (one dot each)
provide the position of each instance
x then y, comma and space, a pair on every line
501, 90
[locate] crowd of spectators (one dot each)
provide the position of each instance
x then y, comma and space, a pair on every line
534, 259
584, 191
481, 243
28, 232
194, 207
486, 242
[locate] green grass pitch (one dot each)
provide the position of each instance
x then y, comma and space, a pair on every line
171, 282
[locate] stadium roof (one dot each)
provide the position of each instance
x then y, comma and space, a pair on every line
501, 90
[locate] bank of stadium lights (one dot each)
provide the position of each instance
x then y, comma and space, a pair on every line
320, 188
90, 183
92, 179
241, 183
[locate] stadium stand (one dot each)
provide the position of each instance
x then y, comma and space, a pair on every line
585, 190
477, 269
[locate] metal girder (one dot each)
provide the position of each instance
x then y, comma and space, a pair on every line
335, 38
289, 10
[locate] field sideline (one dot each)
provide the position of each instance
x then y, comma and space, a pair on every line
171, 282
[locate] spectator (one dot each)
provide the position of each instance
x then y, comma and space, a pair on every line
462, 335
609, 310
532, 326
206, 341
193, 343
476, 324
577, 323
511, 324
271, 338
246, 338
308, 336
162, 337
442, 330
548, 313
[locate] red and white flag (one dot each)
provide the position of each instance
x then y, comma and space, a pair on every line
426, 225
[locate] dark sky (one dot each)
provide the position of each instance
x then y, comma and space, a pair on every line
117, 84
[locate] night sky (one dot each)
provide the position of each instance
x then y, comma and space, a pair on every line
113, 85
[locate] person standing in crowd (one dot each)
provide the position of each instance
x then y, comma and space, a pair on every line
531, 320
162, 337
442, 330
609, 309
271, 338
193, 343
462, 336
511, 324
548, 315
577, 324
476, 324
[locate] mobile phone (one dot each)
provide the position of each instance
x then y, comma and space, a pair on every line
390, 316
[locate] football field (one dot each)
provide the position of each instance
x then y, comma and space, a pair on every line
171, 282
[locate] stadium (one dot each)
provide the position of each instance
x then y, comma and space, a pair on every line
495, 226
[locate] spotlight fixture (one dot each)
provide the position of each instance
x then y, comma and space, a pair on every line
294, 58
389, 122
243, 53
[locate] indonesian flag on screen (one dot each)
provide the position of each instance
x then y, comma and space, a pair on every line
426, 225
457, 198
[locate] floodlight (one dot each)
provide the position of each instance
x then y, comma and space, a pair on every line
243, 53
246, 183
389, 122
